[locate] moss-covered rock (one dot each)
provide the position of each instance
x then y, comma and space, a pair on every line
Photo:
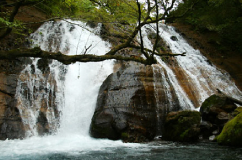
182, 126
232, 132
216, 111
216, 103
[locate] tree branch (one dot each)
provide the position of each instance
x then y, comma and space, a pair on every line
140, 32
157, 28
68, 59
65, 59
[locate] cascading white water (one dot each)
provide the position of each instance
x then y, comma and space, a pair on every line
204, 77
35, 91
77, 88
82, 80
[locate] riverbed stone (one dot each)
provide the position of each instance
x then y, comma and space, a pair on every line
182, 126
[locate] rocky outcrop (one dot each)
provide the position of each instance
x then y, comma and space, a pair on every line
11, 125
182, 126
126, 106
215, 111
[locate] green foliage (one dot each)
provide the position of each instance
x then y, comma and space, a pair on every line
120, 11
220, 16
6, 23
86, 6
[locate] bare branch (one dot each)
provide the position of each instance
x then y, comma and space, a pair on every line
170, 54
140, 32
65, 59
166, 54
68, 59
157, 28
86, 49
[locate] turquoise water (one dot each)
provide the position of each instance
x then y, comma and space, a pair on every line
151, 151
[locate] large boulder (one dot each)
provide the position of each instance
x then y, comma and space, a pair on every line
126, 106
215, 111
232, 132
182, 126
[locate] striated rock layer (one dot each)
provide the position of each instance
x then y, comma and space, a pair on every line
126, 106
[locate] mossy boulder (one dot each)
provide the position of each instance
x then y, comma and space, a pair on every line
214, 105
232, 132
215, 111
182, 126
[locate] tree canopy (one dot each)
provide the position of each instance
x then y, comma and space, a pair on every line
223, 17
121, 12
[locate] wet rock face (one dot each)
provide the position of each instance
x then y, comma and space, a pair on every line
126, 107
14, 108
11, 125
43, 65
42, 124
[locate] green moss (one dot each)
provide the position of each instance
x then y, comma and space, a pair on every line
124, 135
219, 102
232, 132
237, 111
184, 134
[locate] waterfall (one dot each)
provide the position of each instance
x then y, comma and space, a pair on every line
82, 80
193, 78
60, 100
204, 76
57, 96
39, 98
75, 86
68, 93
